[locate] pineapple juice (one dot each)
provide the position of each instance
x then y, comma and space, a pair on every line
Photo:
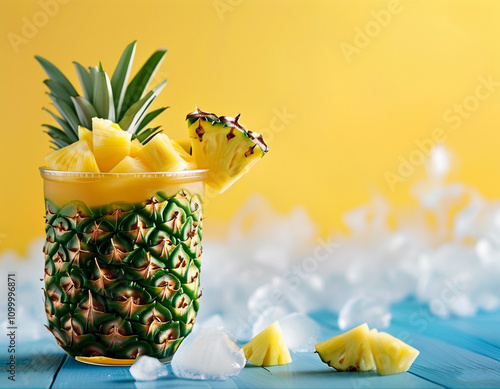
122, 261
98, 189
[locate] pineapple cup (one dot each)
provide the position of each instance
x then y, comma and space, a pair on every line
122, 261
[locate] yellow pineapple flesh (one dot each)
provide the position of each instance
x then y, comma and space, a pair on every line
159, 155
77, 157
86, 134
110, 143
349, 351
181, 149
129, 165
391, 355
135, 146
268, 348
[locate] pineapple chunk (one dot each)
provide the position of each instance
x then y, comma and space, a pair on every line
135, 146
391, 355
268, 348
111, 143
129, 165
160, 155
77, 157
86, 134
349, 351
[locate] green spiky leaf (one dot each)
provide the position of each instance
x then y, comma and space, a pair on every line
58, 90
59, 137
140, 82
55, 74
149, 117
146, 135
85, 81
68, 113
84, 110
103, 96
66, 128
121, 75
111, 99
135, 113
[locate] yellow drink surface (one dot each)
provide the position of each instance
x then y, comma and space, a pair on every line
97, 189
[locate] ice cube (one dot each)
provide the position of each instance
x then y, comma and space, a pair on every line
300, 332
147, 368
364, 309
208, 354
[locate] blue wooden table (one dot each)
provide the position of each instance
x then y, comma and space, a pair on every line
454, 353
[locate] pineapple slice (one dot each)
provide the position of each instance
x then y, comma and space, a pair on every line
86, 134
129, 165
77, 157
111, 143
349, 351
160, 155
391, 355
224, 147
268, 348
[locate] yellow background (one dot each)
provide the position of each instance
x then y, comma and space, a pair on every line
353, 116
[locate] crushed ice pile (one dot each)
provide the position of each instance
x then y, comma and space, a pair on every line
445, 252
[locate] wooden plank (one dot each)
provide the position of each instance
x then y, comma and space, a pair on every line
36, 364
450, 365
75, 374
479, 334
308, 371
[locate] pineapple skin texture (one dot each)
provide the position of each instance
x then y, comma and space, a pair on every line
122, 280
349, 351
268, 348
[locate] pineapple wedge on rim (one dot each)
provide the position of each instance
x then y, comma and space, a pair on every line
349, 351
223, 146
268, 348
391, 355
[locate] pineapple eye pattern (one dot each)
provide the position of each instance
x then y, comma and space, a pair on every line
123, 280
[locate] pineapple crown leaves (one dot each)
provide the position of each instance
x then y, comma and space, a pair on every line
117, 99
227, 121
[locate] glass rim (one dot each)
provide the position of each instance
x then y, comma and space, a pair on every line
194, 173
